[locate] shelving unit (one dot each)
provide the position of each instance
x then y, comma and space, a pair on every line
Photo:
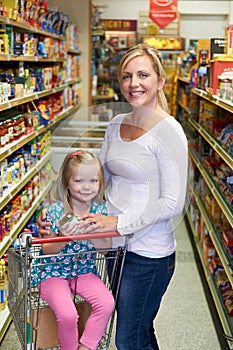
204, 186
74, 104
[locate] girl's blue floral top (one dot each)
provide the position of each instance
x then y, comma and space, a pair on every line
76, 258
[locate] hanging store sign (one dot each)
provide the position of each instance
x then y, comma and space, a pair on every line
119, 25
163, 12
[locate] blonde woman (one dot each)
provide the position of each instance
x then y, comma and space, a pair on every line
145, 160
144, 156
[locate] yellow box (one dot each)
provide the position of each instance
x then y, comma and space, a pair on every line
10, 3
229, 40
4, 40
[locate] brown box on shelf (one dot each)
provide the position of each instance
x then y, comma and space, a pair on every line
208, 249
216, 212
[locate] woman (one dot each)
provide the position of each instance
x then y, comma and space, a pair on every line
144, 155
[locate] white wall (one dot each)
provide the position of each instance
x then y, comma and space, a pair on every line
129, 9
198, 19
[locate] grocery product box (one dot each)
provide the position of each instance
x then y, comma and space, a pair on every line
218, 66
228, 237
9, 3
208, 250
217, 46
229, 39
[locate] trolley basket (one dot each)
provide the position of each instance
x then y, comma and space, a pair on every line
34, 321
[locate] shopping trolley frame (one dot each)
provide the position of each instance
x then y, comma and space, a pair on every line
23, 299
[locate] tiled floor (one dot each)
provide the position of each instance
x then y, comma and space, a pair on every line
184, 321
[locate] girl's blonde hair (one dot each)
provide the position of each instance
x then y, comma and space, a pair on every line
60, 189
154, 55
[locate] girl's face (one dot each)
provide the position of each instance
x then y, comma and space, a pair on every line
84, 182
140, 83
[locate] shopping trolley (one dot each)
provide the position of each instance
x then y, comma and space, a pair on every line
34, 321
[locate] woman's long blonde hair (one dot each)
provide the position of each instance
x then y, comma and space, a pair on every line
73, 160
154, 55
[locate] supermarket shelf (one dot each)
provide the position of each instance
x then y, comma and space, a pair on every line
7, 241
223, 316
74, 52
214, 99
186, 108
102, 97
216, 239
15, 188
189, 117
29, 28
185, 80
224, 205
35, 96
213, 143
5, 317
15, 145
15, 58
5, 320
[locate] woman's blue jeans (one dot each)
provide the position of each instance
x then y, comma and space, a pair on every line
144, 282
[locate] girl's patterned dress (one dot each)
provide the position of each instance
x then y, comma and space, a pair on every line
76, 258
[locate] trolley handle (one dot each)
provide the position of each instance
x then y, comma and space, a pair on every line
79, 237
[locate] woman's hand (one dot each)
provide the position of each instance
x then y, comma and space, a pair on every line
97, 223
69, 229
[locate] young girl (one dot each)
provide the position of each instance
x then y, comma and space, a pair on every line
78, 190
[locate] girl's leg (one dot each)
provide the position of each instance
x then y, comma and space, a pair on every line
144, 281
56, 292
93, 290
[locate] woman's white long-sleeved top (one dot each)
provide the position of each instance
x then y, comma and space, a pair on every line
146, 181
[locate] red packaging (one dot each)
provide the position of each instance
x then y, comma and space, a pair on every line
217, 68
228, 237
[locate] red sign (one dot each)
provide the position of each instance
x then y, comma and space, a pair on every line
163, 12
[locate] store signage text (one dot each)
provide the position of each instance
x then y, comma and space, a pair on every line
119, 25
163, 12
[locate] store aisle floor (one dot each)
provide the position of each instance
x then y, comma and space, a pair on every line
184, 321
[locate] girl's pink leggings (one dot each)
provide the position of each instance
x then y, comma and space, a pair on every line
57, 292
